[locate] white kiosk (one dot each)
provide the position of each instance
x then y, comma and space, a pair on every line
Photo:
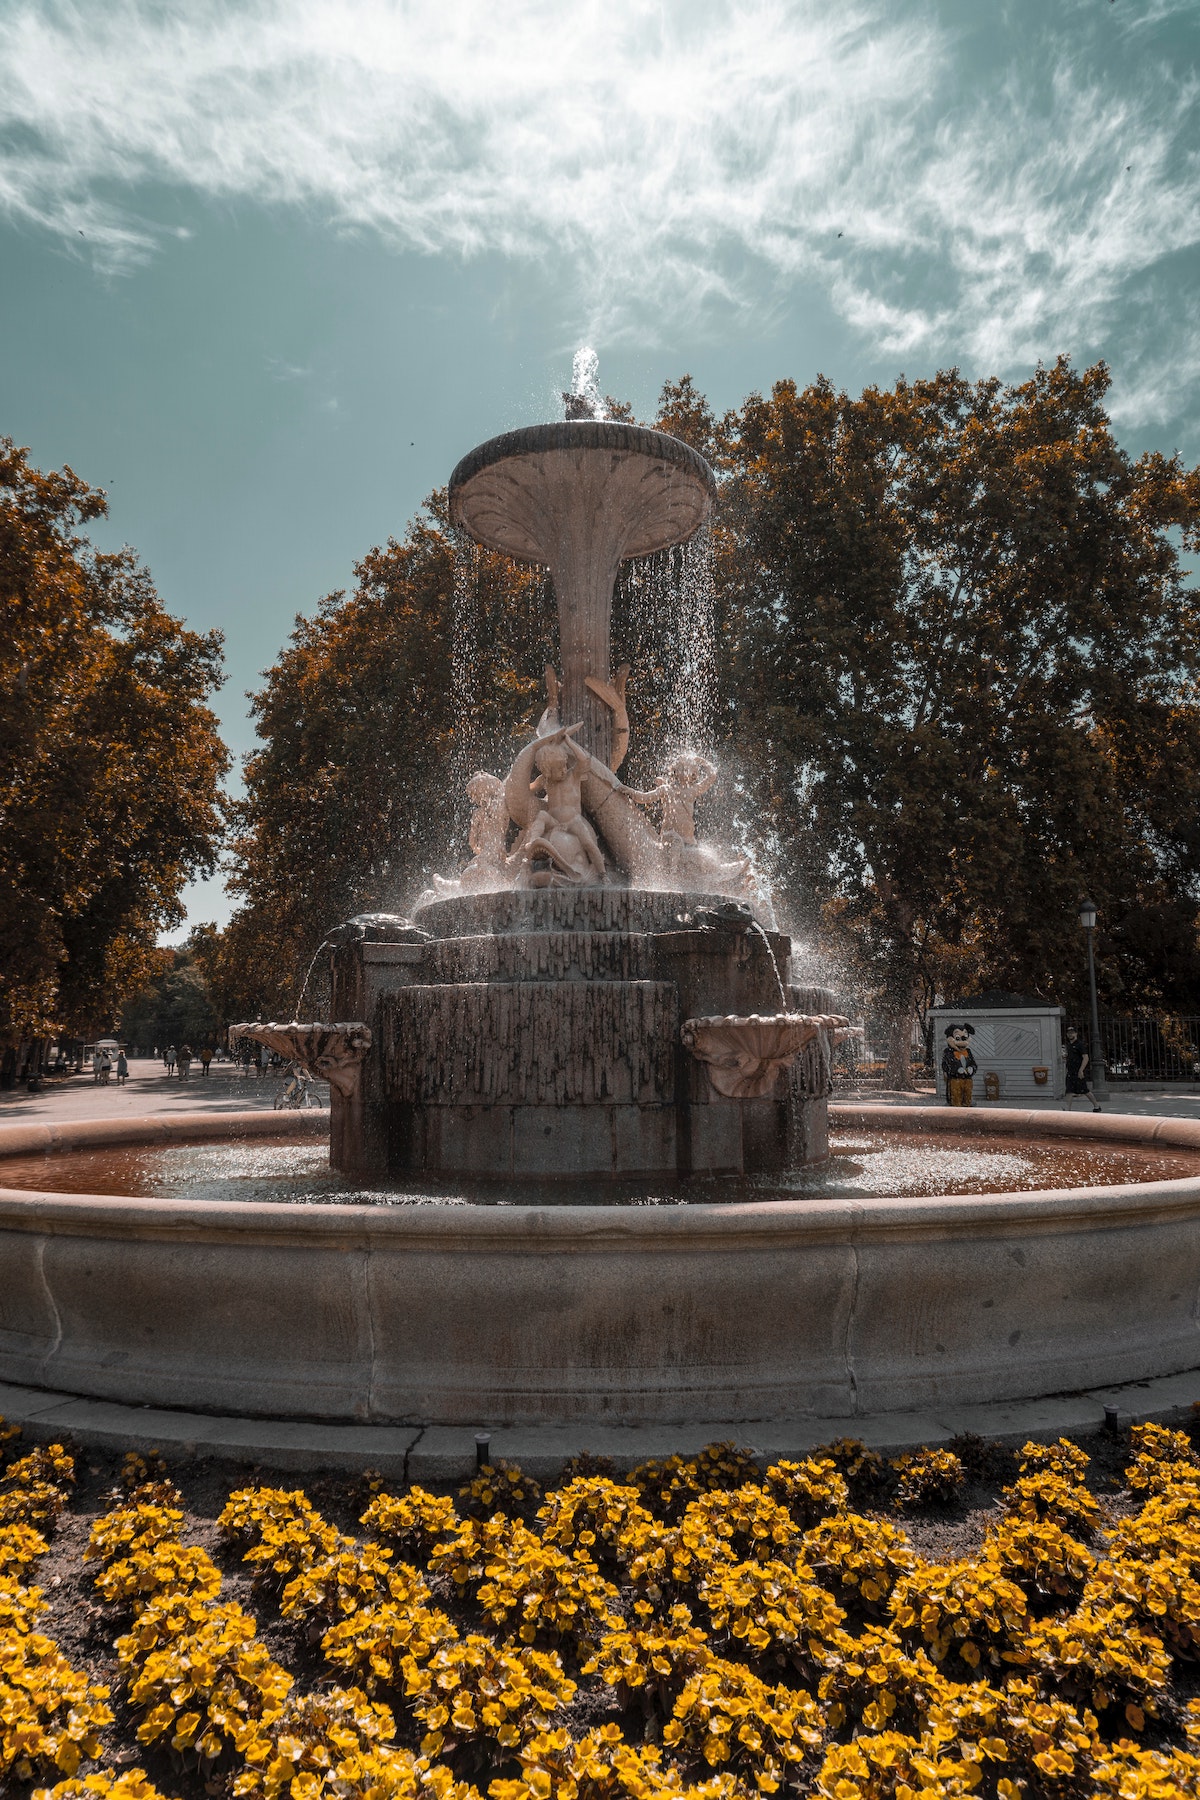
1018, 1042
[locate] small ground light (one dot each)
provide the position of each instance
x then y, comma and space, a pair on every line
1110, 1420
483, 1440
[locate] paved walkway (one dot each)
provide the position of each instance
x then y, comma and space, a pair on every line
225, 1089
149, 1089
447, 1452
1181, 1100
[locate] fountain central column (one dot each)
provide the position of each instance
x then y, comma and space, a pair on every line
579, 498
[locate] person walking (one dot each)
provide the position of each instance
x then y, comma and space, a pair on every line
264, 1058
169, 1059
185, 1062
122, 1068
1079, 1070
205, 1059
105, 1061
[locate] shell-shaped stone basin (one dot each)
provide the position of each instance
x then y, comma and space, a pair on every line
744, 1056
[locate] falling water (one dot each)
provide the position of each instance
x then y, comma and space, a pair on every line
464, 681
663, 619
296, 1015
693, 699
783, 998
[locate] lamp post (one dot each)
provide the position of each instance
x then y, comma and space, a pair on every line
1087, 918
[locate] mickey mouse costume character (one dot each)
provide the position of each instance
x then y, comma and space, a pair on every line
958, 1065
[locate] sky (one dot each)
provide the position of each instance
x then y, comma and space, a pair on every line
268, 270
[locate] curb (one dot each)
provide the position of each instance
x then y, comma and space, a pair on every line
445, 1452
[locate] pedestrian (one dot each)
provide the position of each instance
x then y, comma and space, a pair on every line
264, 1057
169, 1059
105, 1067
205, 1059
122, 1068
185, 1062
1079, 1070
958, 1065
96, 1055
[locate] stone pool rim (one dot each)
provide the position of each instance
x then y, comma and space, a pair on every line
543, 1314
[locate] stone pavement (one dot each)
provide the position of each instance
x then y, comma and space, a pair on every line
444, 1453
225, 1089
149, 1090
1175, 1100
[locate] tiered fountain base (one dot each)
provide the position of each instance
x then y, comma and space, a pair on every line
543, 1034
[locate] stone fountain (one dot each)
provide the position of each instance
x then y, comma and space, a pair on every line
599, 991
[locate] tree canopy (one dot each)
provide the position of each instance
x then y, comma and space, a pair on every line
175, 1007
958, 655
968, 649
377, 711
110, 761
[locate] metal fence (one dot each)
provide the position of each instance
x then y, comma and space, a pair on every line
1137, 1047
1148, 1047
863, 1057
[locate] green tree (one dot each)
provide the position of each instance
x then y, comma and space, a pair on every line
175, 1008
110, 762
371, 721
967, 659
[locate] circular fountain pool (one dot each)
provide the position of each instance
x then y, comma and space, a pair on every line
856, 1290
862, 1165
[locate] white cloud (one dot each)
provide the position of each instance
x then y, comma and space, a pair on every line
279, 369
687, 156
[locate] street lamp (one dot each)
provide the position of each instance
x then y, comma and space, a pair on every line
1087, 918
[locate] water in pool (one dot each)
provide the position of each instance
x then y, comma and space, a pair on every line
863, 1165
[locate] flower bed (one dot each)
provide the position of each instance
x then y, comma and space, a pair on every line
693, 1627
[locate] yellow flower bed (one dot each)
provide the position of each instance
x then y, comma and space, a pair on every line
651, 1656
100, 1784
477, 1689
697, 1631
51, 1714
413, 1522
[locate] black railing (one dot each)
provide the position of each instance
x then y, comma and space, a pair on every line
1151, 1047
1137, 1047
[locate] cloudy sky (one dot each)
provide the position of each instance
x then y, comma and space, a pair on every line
268, 270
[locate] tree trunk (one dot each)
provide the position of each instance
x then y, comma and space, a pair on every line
898, 1073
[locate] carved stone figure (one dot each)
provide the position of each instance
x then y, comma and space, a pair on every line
486, 834
613, 695
685, 862
550, 720
557, 846
688, 776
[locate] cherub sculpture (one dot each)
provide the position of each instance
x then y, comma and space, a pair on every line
557, 846
688, 777
486, 836
686, 861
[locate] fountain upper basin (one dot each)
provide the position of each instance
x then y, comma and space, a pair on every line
520, 491
580, 497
